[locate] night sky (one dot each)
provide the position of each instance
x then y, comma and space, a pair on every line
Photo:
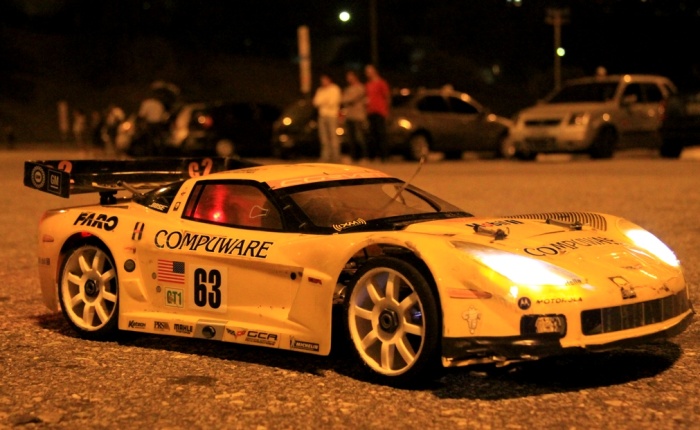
501, 51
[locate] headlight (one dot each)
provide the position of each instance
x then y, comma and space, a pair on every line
651, 243
404, 123
521, 270
579, 118
648, 242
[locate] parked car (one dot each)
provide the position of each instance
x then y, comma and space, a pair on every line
205, 129
443, 120
594, 115
295, 132
224, 129
680, 126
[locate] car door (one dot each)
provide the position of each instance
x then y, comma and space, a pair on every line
469, 127
215, 261
641, 110
434, 115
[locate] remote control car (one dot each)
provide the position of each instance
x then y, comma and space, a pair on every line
226, 250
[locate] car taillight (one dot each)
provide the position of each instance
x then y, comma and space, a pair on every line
205, 121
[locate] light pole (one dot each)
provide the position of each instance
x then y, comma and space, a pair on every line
556, 18
373, 32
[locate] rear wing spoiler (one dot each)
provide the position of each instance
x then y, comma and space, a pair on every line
65, 177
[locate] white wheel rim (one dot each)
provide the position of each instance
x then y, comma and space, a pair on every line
88, 288
386, 321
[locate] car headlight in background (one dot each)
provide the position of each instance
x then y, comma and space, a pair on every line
579, 118
404, 123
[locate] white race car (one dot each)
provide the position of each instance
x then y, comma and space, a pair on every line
261, 254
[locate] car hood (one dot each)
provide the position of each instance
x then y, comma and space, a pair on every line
596, 253
557, 109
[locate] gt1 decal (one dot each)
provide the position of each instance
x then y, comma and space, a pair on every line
174, 297
92, 219
212, 244
208, 289
561, 247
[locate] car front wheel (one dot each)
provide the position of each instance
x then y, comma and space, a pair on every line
88, 291
393, 320
418, 146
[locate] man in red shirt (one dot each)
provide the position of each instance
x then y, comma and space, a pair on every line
378, 103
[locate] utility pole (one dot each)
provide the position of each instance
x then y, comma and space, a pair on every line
557, 17
304, 59
373, 32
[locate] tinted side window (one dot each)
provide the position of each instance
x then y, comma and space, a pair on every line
634, 90
433, 104
653, 93
460, 106
232, 204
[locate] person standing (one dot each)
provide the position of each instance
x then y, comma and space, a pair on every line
378, 103
114, 117
79, 129
327, 100
354, 102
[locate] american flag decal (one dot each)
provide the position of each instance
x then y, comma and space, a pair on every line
171, 271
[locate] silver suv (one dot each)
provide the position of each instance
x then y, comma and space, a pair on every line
594, 115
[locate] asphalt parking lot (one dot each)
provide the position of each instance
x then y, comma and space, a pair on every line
50, 378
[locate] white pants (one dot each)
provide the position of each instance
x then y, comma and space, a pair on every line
330, 144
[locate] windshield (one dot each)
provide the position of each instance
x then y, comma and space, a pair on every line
342, 205
585, 92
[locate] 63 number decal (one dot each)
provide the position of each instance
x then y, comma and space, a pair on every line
209, 289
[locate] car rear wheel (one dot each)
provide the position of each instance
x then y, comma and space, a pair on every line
225, 148
88, 291
393, 320
671, 148
603, 145
418, 146
506, 148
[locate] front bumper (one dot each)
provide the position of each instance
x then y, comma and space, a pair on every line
504, 350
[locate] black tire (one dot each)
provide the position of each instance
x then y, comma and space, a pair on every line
603, 145
671, 148
418, 145
393, 321
453, 155
88, 292
525, 155
505, 148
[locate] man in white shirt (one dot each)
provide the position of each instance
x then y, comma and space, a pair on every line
327, 100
